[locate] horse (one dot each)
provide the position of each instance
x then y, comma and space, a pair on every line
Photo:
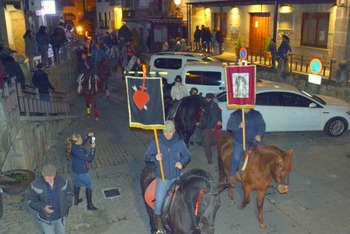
103, 71
191, 203
265, 164
89, 90
191, 112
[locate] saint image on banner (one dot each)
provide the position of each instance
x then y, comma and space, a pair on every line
241, 85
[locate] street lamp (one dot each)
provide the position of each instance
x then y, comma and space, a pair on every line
177, 4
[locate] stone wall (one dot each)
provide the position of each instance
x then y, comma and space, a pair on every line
24, 140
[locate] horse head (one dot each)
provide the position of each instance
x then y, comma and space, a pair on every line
201, 194
282, 166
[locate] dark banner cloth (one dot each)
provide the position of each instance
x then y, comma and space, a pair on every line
145, 102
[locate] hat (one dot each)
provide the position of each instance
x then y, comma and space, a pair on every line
178, 78
49, 170
169, 126
210, 96
39, 66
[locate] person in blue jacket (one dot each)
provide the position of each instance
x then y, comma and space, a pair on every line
175, 156
254, 131
81, 162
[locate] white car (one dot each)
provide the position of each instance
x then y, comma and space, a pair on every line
285, 108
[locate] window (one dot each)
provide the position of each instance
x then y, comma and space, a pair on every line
268, 99
164, 63
315, 29
294, 100
203, 78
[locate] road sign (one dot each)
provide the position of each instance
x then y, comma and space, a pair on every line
316, 66
243, 53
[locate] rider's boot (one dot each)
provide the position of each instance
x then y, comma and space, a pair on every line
159, 224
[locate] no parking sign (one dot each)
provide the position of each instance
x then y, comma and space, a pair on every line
316, 68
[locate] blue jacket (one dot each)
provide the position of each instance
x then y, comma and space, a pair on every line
80, 156
174, 150
37, 198
254, 122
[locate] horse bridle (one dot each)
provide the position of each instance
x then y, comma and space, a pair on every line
197, 117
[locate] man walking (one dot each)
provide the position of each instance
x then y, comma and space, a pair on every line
50, 195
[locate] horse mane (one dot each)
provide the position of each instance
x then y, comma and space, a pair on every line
194, 175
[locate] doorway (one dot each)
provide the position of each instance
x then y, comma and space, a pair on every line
259, 32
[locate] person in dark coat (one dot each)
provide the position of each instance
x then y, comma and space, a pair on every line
12, 68
254, 131
81, 162
197, 38
214, 122
2, 76
41, 81
30, 47
50, 195
43, 40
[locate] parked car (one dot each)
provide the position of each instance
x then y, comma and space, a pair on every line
285, 108
205, 76
170, 64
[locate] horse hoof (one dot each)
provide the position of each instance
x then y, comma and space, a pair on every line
241, 207
263, 225
97, 118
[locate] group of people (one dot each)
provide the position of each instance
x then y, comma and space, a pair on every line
281, 54
50, 196
205, 40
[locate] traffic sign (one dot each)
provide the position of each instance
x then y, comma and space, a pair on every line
316, 66
243, 53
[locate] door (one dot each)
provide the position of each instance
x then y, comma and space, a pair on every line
259, 29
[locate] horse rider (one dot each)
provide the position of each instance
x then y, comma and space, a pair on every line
175, 156
214, 124
178, 91
254, 131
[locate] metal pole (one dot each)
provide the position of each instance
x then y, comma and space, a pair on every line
275, 20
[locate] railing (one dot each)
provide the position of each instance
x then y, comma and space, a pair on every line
25, 99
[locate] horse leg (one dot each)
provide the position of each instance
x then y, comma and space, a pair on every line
100, 86
107, 90
88, 106
230, 195
260, 204
246, 193
96, 112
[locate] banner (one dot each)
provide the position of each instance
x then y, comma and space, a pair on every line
145, 102
240, 86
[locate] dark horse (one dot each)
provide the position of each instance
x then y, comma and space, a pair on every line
192, 112
193, 206
103, 71
265, 164
89, 90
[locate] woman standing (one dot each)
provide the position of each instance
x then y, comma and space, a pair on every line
43, 40
81, 162
30, 48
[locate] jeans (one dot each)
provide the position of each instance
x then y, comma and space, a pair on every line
238, 153
82, 179
161, 190
56, 226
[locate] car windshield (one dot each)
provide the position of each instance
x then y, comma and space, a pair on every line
210, 59
314, 97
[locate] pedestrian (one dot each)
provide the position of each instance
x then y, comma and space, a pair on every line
165, 45
178, 91
219, 39
30, 51
81, 164
57, 40
210, 134
127, 53
196, 136
273, 49
197, 38
138, 67
50, 196
282, 53
254, 125
175, 156
97, 55
12, 68
42, 38
41, 81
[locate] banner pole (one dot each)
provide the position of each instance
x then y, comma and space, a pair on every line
243, 120
158, 150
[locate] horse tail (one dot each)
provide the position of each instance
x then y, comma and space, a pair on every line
225, 151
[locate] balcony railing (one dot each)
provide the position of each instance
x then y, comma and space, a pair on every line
27, 102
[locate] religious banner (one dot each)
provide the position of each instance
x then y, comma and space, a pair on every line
240, 86
145, 102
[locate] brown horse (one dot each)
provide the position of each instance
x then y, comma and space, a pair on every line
103, 71
265, 164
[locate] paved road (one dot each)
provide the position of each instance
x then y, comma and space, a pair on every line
318, 201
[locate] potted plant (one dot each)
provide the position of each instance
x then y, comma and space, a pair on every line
14, 182
267, 53
238, 47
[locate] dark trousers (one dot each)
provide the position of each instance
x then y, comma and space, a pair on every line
210, 139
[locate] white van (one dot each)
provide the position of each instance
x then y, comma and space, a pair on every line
206, 77
170, 64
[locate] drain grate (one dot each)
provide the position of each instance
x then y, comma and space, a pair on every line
111, 192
